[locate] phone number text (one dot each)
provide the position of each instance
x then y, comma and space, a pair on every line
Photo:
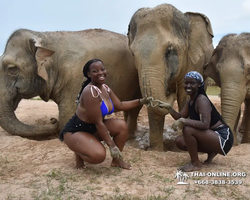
219, 182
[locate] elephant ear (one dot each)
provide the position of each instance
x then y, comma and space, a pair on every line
246, 57
43, 58
209, 69
200, 37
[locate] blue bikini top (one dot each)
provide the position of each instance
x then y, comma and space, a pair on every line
104, 107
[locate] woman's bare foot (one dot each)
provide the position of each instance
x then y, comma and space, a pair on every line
120, 163
191, 167
210, 157
79, 162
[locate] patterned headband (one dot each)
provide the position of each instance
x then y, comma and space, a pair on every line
196, 75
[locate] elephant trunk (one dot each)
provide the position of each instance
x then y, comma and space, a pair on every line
231, 105
12, 125
154, 83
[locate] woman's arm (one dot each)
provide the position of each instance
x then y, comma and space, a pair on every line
124, 105
183, 113
167, 108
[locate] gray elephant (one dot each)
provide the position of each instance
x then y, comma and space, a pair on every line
49, 65
229, 67
166, 44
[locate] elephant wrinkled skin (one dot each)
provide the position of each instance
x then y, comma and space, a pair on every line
49, 65
166, 44
229, 67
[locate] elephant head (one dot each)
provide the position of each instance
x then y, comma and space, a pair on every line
229, 66
23, 74
166, 44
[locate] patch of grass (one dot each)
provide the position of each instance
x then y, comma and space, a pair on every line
118, 196
58, 186
36, 98
3, 164
213, 90
12, 196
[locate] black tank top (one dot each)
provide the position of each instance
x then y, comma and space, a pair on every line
215, 115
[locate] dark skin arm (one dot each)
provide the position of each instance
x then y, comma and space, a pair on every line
177, 115
123, 105
202, 107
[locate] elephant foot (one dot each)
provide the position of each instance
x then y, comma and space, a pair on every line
131, 137
235, 141
244, 140
158, 147
191, 167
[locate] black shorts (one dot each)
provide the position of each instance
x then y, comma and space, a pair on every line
226, 137
77, 125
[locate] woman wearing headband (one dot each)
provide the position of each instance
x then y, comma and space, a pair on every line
202, 125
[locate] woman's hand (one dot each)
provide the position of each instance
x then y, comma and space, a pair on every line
146, 101
178, 124
115, 152
161, 104
165, 106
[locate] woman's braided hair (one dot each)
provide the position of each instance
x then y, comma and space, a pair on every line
85, 73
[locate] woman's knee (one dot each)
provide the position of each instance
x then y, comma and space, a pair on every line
97, 155
187, 131
179, 142
122, 127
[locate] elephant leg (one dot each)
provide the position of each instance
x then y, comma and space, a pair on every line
156, 125
246, 134
131, 117
241, 128
237, 122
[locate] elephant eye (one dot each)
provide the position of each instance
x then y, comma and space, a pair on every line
170, 53
13, 70
171, 58
170, 48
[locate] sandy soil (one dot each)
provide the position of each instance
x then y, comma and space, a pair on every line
31, 169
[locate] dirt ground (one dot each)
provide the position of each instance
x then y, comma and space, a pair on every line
31, 169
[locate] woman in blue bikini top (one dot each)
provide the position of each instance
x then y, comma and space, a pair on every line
89, 126
104, 108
